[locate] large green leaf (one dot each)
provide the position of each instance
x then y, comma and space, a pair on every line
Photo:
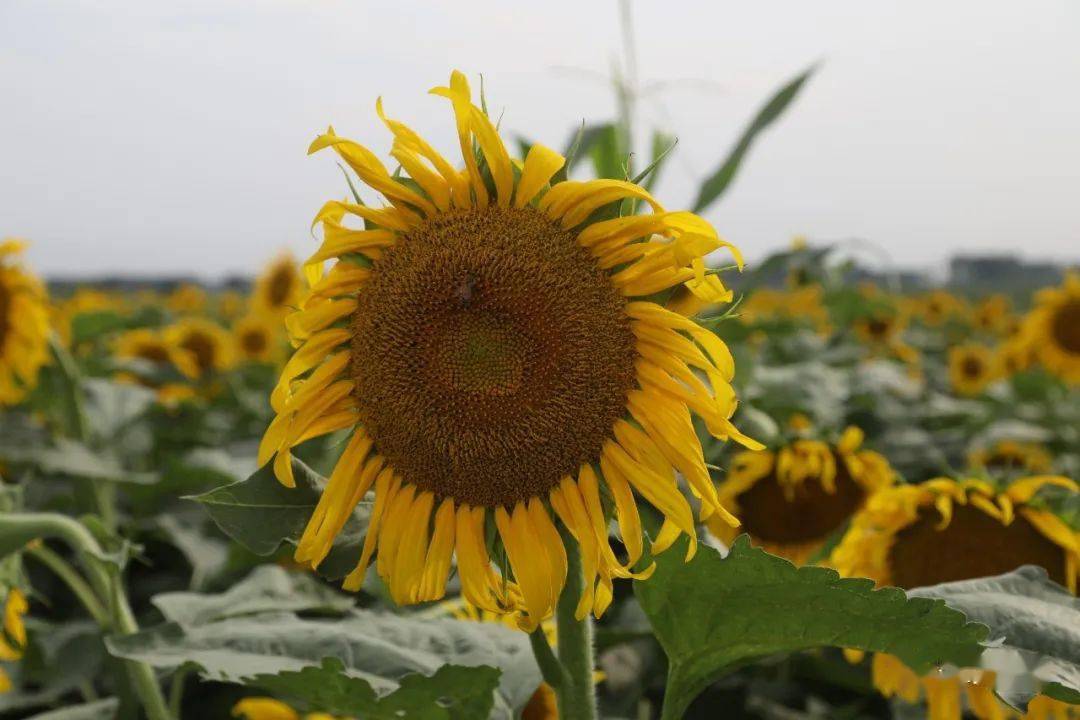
713, 614
715, 185
74, 459
111, 406
453, 692
268, 588
97, 710
233, 636
260, 513
1037, 622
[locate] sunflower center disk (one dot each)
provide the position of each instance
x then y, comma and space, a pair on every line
1066, 327
972, 367
202, 348
973, 545
491, 356
253, 341
812, 514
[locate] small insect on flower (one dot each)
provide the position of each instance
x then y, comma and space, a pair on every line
24, 325
492, 339
945, 530
791, 501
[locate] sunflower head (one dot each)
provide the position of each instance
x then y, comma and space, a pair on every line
945, 530
267, 708
157, 362
491, 339
938, 306
24, 325
992, 313
186, 299
230, 304
1011, 458
972, 368
258, 338
13, 632
792, 500
207, 344
279, 289
1054, 328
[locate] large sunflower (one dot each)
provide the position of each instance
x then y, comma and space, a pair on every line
13, 633
792, 500
279, 289
491, 340
972, 368
1054, 328
24, 326
943, 530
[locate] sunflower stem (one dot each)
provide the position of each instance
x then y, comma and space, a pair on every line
576, 696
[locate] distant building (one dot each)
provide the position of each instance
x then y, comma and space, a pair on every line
1001, 273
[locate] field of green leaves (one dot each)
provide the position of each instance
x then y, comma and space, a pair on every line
188, 528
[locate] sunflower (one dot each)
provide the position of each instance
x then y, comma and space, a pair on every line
992, 313
801, 304
257, 338
279, 289
24, 326
792, 500
13, 637
209, 345
1011, 457
186, 299
944, 530
492, 348
1054, 328
972, 368
266, 708
230, 305
937, 306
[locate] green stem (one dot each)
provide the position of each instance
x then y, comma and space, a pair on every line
176, 692
75, 582
20, 528
577, 695
77, 423
551, 669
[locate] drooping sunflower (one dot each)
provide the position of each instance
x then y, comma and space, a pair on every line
13, 637
494, 348
945, 530
279, 289
209, 345
24, 325
1010, 457
258, 338
159, 357
1054, 328
972, 368
791, 501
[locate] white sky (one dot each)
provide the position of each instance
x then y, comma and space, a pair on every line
140, 136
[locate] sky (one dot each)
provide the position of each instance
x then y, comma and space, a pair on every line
142, 137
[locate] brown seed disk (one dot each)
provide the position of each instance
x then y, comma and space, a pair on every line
491, 356
253, 341
973, 545
1066, 327
812, 514
151, 352
280, 286
972, 367
202, 348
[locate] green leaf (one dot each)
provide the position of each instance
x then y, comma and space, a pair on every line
1038, 624
96, 710
207, 555
662, 145
75, 459
713, 615
454, 692
111, 406
580, 146
715, 185
268, 588
260, 513
381, 648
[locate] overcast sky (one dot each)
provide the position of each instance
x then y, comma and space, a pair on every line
158, 137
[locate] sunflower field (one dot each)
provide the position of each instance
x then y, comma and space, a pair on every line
518, 441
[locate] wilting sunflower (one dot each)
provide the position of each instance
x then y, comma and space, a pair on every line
24, 325
792, 500
209, 345
186, 299
13, 637
279, 289
266, 708
490, 351
972, 368
1009, 457
258, 338
943, 530
1054, 328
